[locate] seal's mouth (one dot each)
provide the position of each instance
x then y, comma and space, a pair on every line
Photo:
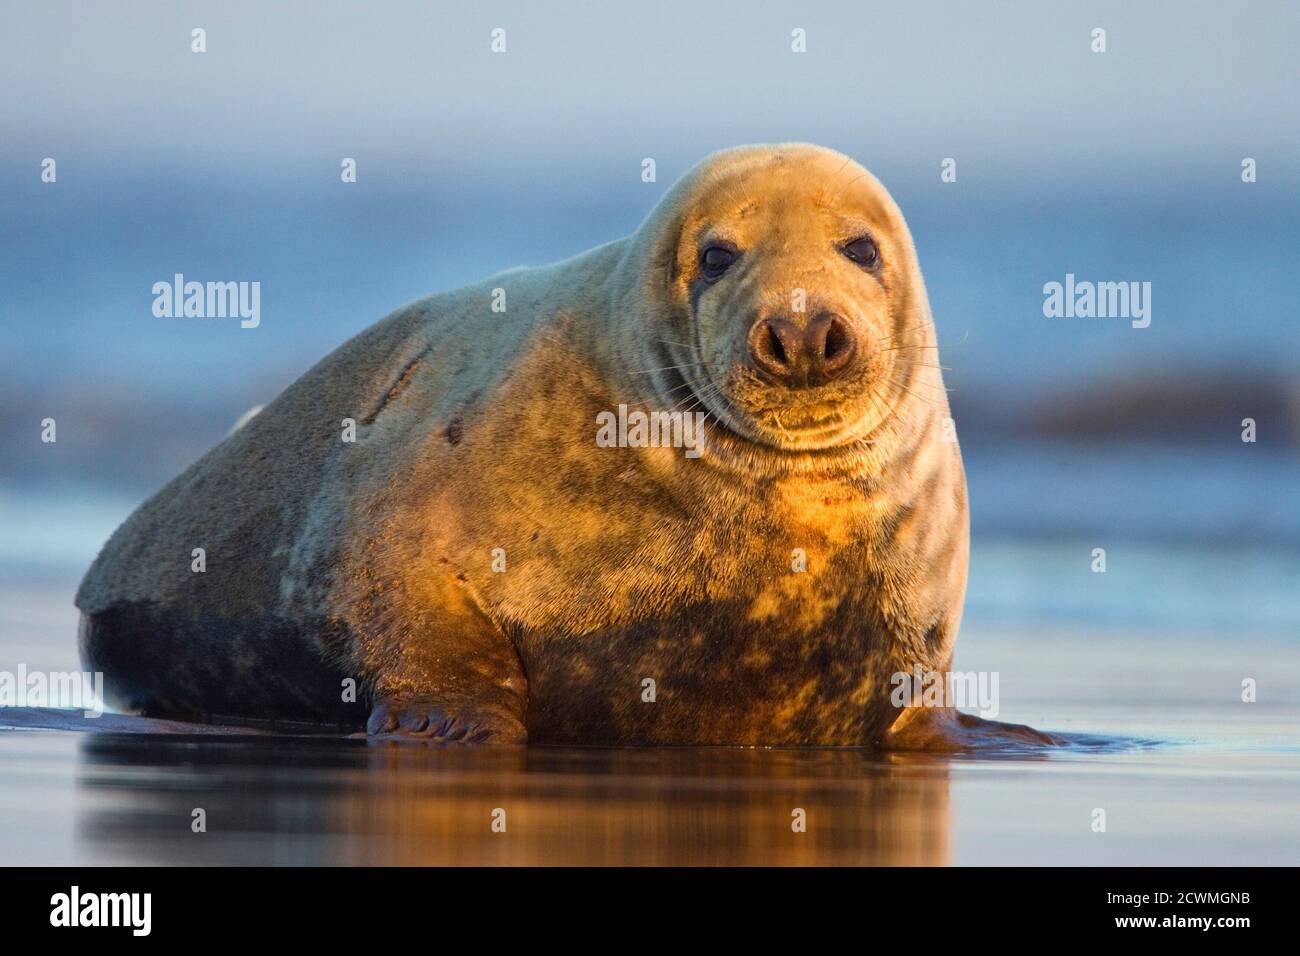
751, 410
805, 427
809, 417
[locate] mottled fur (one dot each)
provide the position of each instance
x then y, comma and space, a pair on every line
476, 431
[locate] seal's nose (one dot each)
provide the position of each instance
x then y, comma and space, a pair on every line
798, 357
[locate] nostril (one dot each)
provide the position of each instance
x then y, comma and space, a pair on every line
837, 340
831, 345
776, 348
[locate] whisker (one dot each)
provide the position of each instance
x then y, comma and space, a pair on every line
712, 389
919, 327
928, 401
685, 409
901, 332
667, 393
904, 348
670, 368
942, 368
934, 385
777, 418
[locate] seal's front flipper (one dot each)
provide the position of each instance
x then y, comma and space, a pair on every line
429, 719
441, 670
948, 730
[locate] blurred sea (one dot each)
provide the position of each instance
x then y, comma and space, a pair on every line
1077, 434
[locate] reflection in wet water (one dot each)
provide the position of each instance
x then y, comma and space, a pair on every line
109, 796
332, 802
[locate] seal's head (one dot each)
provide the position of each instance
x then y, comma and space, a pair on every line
790, 302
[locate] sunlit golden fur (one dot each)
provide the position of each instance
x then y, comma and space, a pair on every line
475, 438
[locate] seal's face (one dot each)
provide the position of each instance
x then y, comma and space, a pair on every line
802, 299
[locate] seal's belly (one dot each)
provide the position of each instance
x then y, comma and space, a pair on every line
707, 676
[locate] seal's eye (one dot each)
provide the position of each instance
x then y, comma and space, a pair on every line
715, 260
862, 251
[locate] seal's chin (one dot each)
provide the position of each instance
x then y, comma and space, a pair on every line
780, 422
804, 430
816, 425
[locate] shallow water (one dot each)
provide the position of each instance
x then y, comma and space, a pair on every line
1186, 773
112, 798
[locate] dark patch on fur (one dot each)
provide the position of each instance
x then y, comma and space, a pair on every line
720, 678
935, 637
164, 662
454, 431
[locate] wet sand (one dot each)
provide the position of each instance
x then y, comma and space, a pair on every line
1186, 772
